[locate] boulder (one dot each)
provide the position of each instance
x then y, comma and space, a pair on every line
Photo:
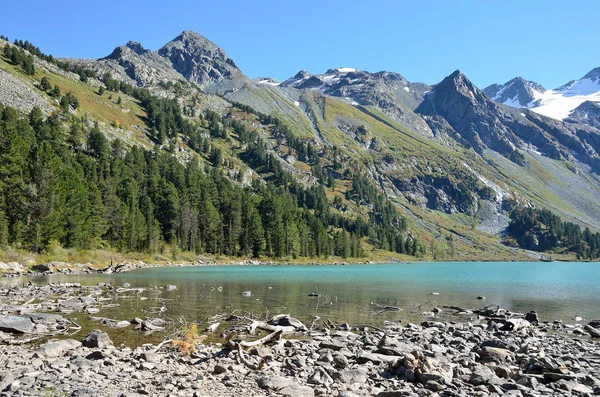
481, 375
273, 383
170, 287
285, 320
97, 339
594, 332
358, 375
532, 317
56, 349
16, 324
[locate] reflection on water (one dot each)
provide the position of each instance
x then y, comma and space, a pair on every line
351, 293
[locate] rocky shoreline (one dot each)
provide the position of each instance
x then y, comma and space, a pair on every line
485, 352
17, 269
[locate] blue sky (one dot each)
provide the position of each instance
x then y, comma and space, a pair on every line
551, 41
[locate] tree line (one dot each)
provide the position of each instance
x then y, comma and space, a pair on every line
542, 230
73, 187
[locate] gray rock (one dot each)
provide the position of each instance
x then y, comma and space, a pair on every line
288, 321
97, 339
594, 332
295, 390
532, 317
274, 383
16, 324
358, 375
57, 349
219, 369
170, 287
331, 344
150, 357
481, 375
340, 361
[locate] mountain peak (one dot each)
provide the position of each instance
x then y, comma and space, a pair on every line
517, 92
199, 59
136, 47
593, 74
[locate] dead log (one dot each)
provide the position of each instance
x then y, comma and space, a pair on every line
272, 336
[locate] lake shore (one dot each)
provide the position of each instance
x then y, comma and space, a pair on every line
16, 269
489, 351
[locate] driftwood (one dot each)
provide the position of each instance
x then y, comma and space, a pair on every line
213, 327
383, 309
161, 344
272, 336
244, 360
269, 327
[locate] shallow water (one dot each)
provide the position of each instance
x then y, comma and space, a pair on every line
352, 293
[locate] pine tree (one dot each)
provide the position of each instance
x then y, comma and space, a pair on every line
45, 84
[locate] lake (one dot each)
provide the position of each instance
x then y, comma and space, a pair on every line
354, 293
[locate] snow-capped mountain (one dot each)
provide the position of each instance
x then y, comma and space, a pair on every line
557, 104
518, 92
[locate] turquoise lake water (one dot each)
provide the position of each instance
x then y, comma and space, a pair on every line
351, 293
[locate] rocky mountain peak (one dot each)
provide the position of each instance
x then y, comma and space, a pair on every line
458, 83
517, 92
199, 60
593, 75
136, 47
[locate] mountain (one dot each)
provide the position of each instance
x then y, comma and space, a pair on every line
189, 57
586, 113
480, 123
432, 164
199, 60
387, 91
518, 92
557, 103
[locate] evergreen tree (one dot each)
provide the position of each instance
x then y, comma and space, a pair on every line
45, 84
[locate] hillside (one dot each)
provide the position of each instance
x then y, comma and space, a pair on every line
200, 158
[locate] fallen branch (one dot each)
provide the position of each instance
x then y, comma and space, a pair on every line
272, 336
269, 327
244, 360
161, 344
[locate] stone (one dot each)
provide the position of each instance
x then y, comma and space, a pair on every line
331, 344
528, 381
16, 324
96, 355
170, 287
594, 332
150, 357
532, 317
495, 354
295, 390
481, 375
97, 339
56, 349
340, 361
247, 293
274, 383
358, 375
219, 369
147, 325
435, 386
285, 320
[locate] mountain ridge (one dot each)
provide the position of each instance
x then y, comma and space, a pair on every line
446, 148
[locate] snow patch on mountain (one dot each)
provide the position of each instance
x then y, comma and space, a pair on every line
557, 104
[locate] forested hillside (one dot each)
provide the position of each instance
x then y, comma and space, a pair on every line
69, 185
130, 154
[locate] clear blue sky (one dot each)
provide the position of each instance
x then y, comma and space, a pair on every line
549, 41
